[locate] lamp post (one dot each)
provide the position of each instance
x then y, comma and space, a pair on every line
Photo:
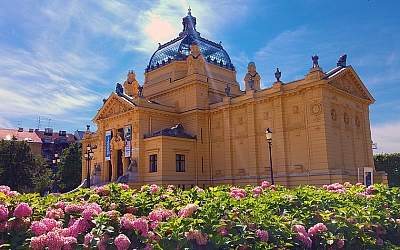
89, 157
56, 160
268, 135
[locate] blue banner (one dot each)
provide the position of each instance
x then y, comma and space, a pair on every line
108, 145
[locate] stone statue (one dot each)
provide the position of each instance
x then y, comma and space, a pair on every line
119, 90
117, 143
278, 75
342, 61
252, 77
315, 61
195, 60
131, 84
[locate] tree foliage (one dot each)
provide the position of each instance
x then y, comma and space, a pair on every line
390, 163
70, 168
41, 176
16, 164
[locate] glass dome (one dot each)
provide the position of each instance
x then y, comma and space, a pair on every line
179, 48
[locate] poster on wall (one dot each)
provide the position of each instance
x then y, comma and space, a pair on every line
128, 133
108, 145
368, 176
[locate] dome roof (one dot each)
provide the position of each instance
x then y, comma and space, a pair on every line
179, 48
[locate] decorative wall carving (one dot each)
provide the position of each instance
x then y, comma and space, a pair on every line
346, 84
316, 108
334, 115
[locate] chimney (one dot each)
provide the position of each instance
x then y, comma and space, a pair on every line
20, 129
31, 130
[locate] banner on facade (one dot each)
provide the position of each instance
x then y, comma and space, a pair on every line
108, 145
128, 133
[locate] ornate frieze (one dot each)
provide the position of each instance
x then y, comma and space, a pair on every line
347, 84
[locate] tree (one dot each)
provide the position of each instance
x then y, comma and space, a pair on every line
16, 164
41, 176
390, 163
70, 168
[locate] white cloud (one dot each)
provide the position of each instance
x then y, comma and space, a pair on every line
5, 123
387, 136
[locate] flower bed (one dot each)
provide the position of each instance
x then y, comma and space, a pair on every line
264, 217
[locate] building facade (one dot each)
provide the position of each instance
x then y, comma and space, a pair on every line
54, 142
190, 124
20, 135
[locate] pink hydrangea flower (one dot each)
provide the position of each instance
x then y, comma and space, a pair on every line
140, 225
3, 212
102, 244
222, 230
54, 240
13, 194
5, 189
340, 243
6, 226
74, 208
302, 235
102, 191
154, 188
196, 235
122, 242
262, 234
370, 189
91, 210
265, 185
88, 238
38, 243
152, 236
317, 229
199, 189
160, 214
23, 210
131, 209
237, 193
81, 225
127, 221
54, 213
257, 190
273, 187
170, 188
38, 228
125, 187
51, 223
61, 205
188, 210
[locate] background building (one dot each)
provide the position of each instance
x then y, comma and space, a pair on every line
30, 136
190, 124
54, 142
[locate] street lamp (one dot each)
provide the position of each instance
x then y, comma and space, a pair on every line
89, 157
268, 135
56, 160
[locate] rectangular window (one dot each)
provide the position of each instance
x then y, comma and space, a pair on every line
180, 163
153, 163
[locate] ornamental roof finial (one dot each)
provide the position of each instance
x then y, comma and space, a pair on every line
189, 10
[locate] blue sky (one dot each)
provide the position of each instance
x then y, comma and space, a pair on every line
59, 59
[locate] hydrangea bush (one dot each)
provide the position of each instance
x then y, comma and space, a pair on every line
337, 216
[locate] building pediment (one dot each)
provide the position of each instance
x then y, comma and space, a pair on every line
348, 81
113, 106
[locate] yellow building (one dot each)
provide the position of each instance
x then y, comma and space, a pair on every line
190, 124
